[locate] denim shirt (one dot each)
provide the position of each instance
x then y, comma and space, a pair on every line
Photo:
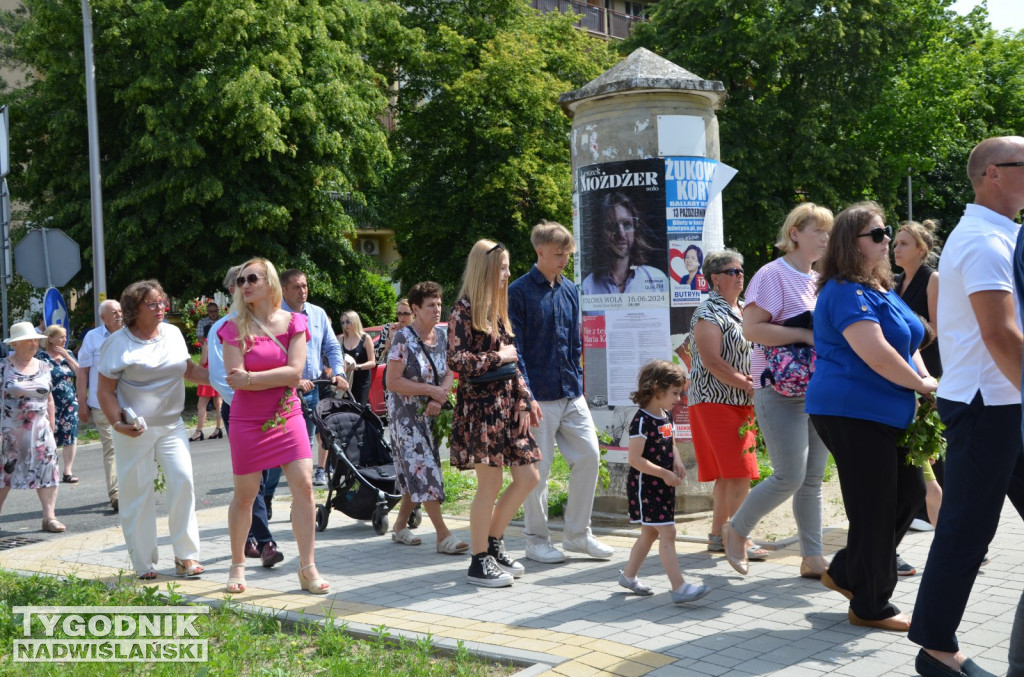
546, 320
322, 342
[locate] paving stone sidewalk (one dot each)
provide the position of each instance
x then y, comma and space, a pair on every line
572, 618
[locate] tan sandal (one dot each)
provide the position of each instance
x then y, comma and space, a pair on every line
53, 526
317, 586
236, 584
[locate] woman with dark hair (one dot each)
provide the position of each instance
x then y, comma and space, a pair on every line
491, 422
860, 401
620, 252
693, 259
141, 391
418, 385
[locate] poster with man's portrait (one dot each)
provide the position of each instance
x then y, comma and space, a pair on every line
623, 257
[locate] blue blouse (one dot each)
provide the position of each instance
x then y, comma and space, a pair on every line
843, 384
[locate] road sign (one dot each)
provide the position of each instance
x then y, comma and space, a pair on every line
47, 258
55, 311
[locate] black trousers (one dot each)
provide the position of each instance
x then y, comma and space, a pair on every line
881, 493
984, 465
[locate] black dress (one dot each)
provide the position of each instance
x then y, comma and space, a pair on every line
360, 379
916, 296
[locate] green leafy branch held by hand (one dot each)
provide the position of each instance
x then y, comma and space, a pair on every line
923, 439
284, 405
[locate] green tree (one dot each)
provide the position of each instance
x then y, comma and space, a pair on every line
225, 127
481, 143
829, 103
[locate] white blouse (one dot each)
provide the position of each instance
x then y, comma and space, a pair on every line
150, 374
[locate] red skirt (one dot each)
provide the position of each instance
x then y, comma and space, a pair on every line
718, 444
205, 391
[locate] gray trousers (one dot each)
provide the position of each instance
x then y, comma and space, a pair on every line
1016, 655
798, 463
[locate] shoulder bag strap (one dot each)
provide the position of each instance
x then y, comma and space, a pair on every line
433, 367
267, 332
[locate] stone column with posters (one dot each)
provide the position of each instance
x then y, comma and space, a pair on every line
647, 186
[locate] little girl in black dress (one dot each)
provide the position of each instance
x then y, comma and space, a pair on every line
654, 473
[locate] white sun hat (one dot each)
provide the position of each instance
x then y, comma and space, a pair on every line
23, 331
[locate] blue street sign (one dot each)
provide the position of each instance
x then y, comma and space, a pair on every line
55, 311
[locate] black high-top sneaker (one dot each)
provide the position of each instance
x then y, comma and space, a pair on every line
496, 549
483, 571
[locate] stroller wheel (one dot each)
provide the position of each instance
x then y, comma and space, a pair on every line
416, 518
380, 521
321, 517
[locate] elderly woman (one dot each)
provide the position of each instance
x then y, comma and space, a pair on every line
491, 422
720, 393
141, 391
418, 385
26, 422
64, 371
777, 316
264, 355
860, 400
358, 345
387, 333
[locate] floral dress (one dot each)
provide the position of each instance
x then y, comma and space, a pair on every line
26, 429
414, 450
65, 400
484, 426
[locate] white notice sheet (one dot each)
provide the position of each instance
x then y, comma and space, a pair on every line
633, 338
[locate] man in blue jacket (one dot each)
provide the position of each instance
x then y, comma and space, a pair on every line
545, 312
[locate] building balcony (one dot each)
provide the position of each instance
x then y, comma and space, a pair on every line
605, 23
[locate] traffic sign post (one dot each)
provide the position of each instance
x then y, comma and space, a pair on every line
47, 258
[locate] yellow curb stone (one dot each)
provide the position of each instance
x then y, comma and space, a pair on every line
599, 659
575, 669
650, 659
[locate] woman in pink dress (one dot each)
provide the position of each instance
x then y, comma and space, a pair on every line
264, 353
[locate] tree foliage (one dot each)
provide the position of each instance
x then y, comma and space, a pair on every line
836, 102
225, 127
481, 143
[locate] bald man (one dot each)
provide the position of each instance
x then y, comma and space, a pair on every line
88, 357
980, 343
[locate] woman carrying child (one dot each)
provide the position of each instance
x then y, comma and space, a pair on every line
654, 472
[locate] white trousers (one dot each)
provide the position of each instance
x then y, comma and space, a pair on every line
567, 423
136, 469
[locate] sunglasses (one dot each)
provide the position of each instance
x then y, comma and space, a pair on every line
733, 272
1009, 164
155, 305
345, 322
251, 278
404, 313
496, 248
878, 235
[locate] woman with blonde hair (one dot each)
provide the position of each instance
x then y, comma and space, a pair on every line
264, 354
357, 345
491, 424
777, 319
64, 372
860, 401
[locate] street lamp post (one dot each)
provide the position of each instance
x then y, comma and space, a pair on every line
99, 264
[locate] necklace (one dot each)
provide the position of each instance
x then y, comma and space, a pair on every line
425, 337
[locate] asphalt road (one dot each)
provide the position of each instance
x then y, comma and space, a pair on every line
84, 506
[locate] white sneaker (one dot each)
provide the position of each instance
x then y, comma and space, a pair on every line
920, 525
545, 553
589, 546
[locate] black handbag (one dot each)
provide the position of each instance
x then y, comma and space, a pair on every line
503, 373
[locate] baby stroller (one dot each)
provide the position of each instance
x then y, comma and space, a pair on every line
362, 480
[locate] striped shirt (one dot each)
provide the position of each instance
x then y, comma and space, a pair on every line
783, 292
704, 387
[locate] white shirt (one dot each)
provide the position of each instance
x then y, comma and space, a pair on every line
978, 256
150, 374
89, 356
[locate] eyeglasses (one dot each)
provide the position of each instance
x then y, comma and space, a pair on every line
628, 225
1008, 164
251, 278
878, 234
155, 305
733, 272
404, 313
496, 248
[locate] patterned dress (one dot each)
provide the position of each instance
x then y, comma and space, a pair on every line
414, 450
26, 429
651, 501
65, 400
484, 427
